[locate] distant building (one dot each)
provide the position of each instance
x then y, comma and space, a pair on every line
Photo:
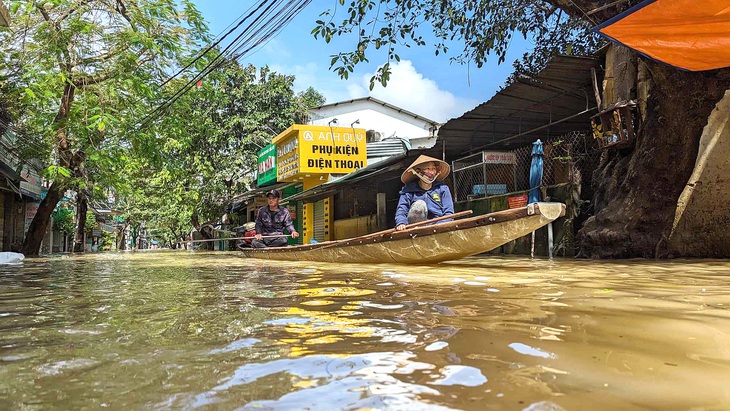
21, 191
381, 120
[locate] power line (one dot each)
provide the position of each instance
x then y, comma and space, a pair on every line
212, 45
277, 21
208, 68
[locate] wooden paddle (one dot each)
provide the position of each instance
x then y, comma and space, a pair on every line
420, 223
409, 226
236, 238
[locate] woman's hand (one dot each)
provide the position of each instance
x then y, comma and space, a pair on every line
400, 227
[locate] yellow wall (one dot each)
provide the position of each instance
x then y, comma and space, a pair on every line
307, 222
304, 151
328, 214
353, 227
308, 209
308, 154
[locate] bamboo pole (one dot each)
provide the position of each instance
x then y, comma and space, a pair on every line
236, 238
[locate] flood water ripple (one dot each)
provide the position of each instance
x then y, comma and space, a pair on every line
204, 331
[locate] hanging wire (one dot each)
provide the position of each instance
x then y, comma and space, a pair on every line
268, 18
210, 47
235, 50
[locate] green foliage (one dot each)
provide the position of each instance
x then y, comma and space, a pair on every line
483, 28
63, 221
105, 241
210, 135
91, 222
85, 73
81, 70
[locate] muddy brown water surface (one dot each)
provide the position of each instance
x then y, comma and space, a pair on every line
184, 330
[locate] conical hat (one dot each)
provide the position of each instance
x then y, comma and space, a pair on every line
444, 168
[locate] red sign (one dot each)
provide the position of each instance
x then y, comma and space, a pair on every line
517, 201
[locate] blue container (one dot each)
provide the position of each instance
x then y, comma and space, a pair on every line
496, 189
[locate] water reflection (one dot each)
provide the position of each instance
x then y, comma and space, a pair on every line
215, 331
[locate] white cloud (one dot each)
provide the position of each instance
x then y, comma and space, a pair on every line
321, 79
276, 49
409, 89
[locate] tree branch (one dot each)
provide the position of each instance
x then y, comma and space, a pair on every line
95, 59
62, 52
89, 80
121, 8
72, 10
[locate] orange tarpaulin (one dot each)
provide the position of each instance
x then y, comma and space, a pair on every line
689, 34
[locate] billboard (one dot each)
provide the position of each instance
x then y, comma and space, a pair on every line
267, 166
305, 150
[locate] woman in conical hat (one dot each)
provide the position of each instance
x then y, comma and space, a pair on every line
424, 196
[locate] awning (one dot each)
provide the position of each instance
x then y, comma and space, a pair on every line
9, 172
558, 100
239, 202
687, 34
394, 164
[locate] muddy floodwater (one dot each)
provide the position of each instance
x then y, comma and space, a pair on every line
210, 331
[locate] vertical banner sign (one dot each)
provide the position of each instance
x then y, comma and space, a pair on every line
267, 166
287, 159
304, 150
32, 184
31, 208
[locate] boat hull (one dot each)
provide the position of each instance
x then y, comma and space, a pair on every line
426, 244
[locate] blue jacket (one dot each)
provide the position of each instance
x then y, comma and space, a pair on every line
266, 225
438, 200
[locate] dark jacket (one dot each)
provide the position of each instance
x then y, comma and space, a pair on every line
438, 200
266, 225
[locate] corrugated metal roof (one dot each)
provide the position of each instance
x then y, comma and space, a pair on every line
387, 148
380, 103
561, 96
248, 195
392, 164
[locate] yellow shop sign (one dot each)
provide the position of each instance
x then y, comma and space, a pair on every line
303, 150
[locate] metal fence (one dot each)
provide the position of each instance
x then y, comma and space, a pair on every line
491, 173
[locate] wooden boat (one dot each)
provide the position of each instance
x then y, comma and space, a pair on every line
424, 244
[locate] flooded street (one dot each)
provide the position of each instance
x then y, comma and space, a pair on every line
182, 330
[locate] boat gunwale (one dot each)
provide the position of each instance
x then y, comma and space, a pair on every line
426, 230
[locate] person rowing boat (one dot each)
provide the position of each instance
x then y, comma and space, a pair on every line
271, 221
424, 196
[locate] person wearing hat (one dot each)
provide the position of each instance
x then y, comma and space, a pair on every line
424, 196
271, 221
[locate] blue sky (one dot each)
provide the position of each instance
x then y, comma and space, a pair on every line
423, 83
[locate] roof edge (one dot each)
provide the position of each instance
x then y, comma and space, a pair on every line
382, 103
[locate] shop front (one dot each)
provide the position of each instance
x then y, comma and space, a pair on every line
311, 155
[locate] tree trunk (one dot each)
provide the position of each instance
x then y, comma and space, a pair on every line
194, 220
637, 188
175, 236
37, 229
82, 208
121, 239
134, 233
